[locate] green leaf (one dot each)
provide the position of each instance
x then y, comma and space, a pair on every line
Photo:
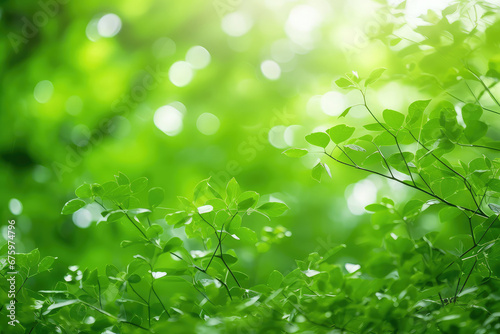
97, 189
154, 231
139, 184
295, 152
112, 271
374, 127
345, 112
122, 179
173, 244
84, 191
393, 118
273, 209
46, 263
475, 130
246, 234
331, 252
114, 216
134, 278
275, 279
395, 41
355, 148
72, 206
319, 169
344, 83
247, 200
126, 243
320, 139
416, 111
471, 112
60, 304
450, 9
340, 133
374, 76
232, 190
375, 207
155, 196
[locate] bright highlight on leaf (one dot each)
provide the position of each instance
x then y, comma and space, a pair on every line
295, 152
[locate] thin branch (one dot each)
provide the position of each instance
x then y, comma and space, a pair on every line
406, 184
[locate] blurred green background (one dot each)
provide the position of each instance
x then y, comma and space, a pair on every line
182, 91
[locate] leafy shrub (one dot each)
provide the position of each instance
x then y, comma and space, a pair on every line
185, 276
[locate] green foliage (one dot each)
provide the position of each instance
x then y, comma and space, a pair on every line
424, 259
414, 281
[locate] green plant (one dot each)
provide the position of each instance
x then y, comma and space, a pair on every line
170, 279
446, 278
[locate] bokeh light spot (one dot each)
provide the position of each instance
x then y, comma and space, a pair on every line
15, 206
43, 91
270, 69
236, 24
198, 57
74, 105
360, 195
276, 136
208, 124
169, 120
109, 25
181, 73
333, 103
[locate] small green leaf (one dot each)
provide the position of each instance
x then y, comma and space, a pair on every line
295, 152
72, 206
393, 118
416, 110
374, 76
345, 112
275, 279
247, 200
273, 209
395, 41
111, 271
155, 196
173, 244
340, 133
374, 127
475, 130
97, 189
450, 9
232, 190
134, 278
317, 172
114, 216
46, 263
320, 139
471, 112
375, 207
84, 191
122, 179
60, 304
139, 184
126, 243
343, 83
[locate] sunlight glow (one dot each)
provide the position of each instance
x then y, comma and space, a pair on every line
169, 120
